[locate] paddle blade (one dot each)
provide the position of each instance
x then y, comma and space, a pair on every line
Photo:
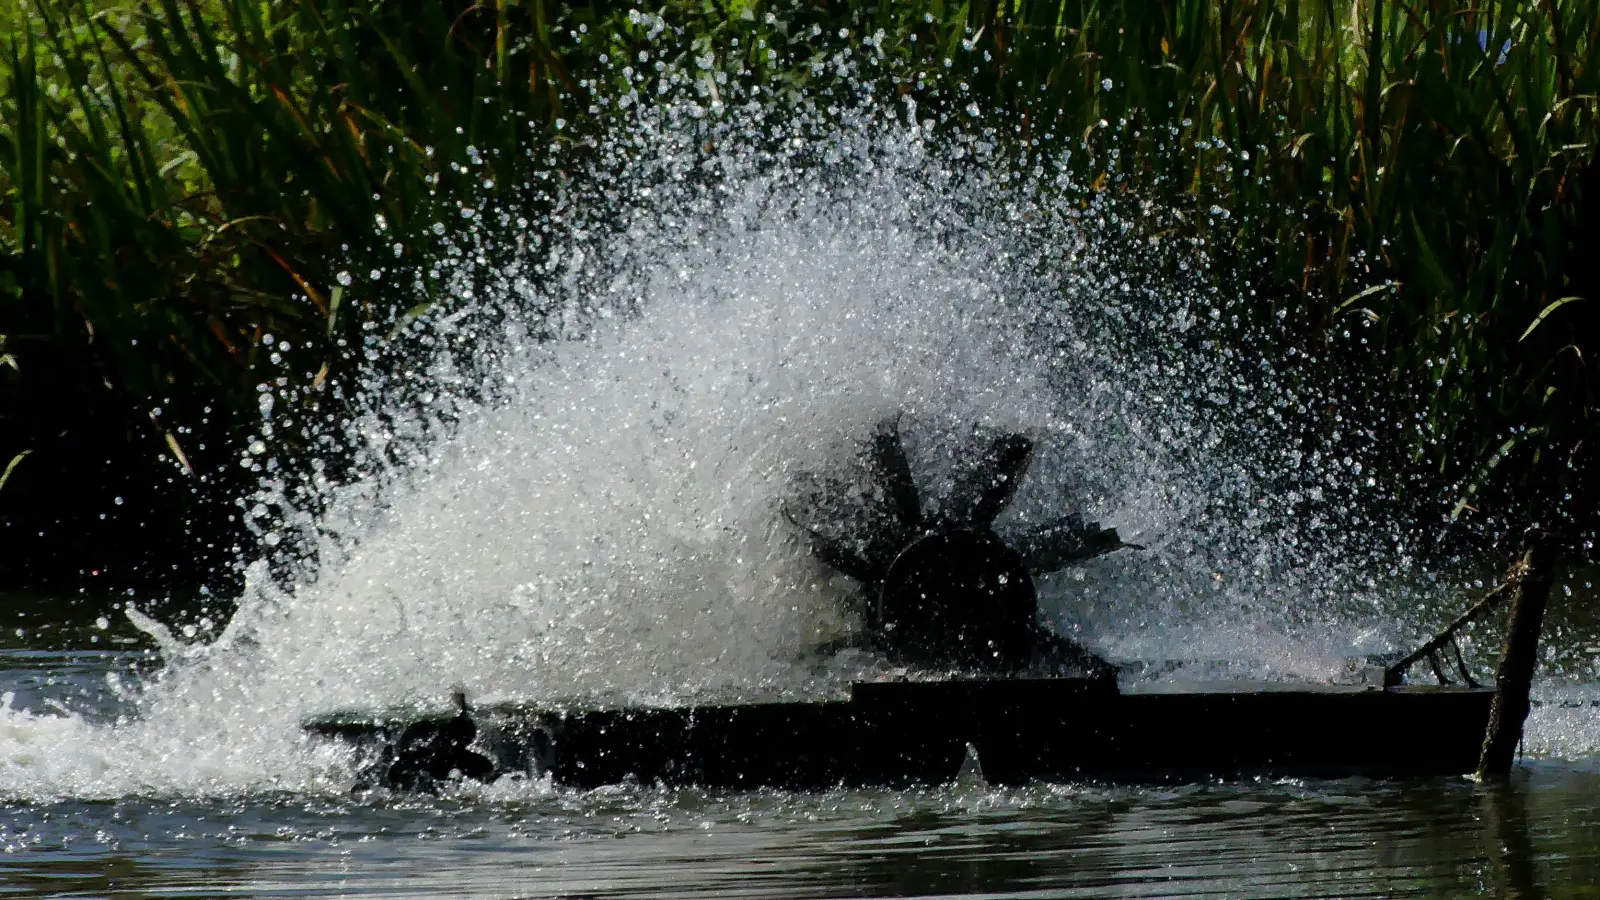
1066, 542
890, 470
983, 492
838, 555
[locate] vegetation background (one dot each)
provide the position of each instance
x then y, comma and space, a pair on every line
1410, 192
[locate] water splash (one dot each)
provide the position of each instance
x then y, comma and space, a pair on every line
570, 487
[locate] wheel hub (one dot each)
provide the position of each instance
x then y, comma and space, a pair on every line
942, 589
958, 598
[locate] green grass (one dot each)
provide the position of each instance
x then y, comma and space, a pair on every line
179, 177
1404, 183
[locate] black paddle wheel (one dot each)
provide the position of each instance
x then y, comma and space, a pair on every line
941, 589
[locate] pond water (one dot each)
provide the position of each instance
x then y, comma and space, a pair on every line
1535, 836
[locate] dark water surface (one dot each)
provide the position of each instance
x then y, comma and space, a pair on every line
1537, 836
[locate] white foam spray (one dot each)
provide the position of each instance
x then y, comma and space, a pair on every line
573, 489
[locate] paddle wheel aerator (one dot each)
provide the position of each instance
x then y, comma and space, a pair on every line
944, 590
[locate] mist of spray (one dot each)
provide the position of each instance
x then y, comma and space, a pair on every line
571, 487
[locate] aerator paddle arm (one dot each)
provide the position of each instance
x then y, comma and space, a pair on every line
1067, 542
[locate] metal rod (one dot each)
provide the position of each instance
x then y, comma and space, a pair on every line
1438, 670
1393, 674
1461, 664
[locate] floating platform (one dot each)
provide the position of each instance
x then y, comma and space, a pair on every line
919, 732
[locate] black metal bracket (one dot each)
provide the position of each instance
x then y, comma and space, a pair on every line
1394, 674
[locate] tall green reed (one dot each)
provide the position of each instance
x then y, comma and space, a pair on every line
1408, 188
1398, 191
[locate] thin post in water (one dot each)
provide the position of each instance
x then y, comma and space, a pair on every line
1514, 678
